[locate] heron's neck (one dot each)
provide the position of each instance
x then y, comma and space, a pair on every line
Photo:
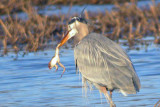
80, 35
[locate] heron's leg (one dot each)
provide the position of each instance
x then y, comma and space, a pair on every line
104, 91
56, 66
62, 67
111, 94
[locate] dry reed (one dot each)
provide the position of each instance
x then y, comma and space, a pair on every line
125, 21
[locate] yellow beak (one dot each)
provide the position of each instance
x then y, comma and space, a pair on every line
65, 39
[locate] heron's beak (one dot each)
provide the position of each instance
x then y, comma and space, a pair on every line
66, 38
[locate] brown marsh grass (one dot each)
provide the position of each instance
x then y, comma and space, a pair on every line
124, 21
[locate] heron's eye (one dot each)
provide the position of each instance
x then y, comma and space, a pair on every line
82, 20
72, 21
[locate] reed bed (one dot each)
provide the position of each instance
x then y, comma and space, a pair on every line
124, 21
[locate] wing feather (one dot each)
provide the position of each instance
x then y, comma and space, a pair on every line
102, 61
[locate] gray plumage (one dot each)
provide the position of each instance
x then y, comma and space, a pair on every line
103, 62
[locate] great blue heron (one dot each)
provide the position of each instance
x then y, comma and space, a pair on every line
101, 61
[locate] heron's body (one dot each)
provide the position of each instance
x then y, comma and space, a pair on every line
103, 62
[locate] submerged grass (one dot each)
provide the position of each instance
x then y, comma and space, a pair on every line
125, 21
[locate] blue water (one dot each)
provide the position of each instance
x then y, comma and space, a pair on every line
27, 81
77, 9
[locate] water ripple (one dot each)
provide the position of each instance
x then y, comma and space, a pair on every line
28, 82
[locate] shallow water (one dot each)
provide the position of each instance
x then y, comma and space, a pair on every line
76, 9
27, 81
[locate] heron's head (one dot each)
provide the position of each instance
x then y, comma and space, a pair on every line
77, 28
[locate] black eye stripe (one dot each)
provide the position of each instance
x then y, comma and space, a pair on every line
82, 20
73, 20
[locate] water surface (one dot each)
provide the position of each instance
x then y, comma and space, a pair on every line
76, 9
27, 81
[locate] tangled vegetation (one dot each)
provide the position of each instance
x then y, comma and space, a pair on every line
124, 21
